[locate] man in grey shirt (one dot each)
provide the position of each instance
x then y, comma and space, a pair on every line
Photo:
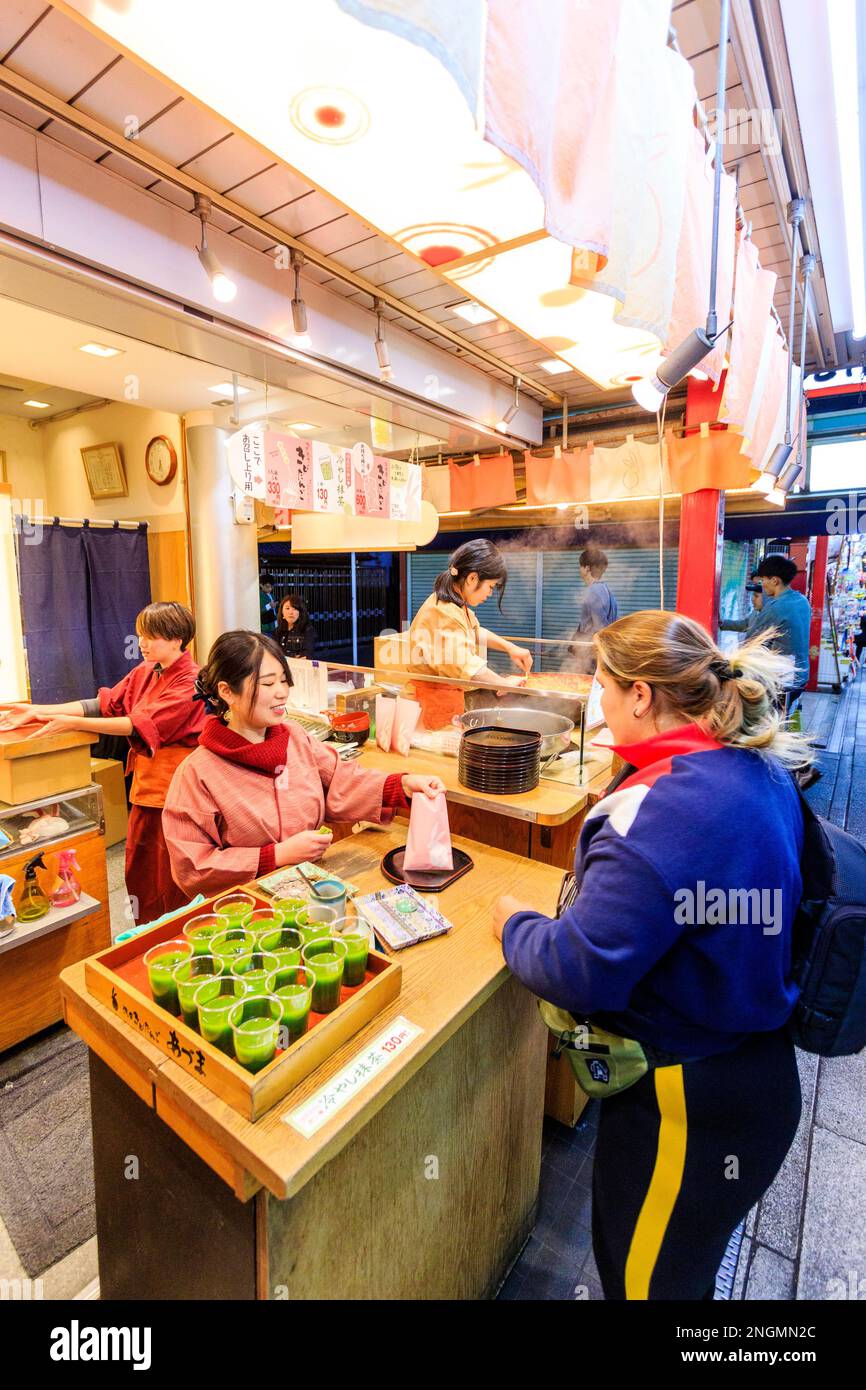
598, 610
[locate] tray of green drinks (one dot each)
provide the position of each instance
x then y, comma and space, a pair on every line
246, 994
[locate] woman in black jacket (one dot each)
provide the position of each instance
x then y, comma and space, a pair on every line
295, 633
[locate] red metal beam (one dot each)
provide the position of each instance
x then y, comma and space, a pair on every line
819, 592
702, 525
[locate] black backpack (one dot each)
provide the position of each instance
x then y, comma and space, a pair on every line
829, 941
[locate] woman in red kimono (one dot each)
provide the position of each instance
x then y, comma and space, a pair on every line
154, 708
255, 792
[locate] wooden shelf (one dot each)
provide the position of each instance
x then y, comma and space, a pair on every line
57, 917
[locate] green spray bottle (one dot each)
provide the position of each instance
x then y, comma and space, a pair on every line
33, 902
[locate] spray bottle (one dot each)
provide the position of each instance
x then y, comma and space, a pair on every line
34, 901
68, 889
7, 910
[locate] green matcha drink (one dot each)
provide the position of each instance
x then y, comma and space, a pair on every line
215, 1000
255, 1023
264, 921
294, 989
357, 950
254, 968
326, 960
160, 962
201, 930
235, 908
228, 945
188, 975
288, 908
286, 945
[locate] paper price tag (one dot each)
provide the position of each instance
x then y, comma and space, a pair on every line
358, 1073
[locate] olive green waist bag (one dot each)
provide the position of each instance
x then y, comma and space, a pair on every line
603, 1063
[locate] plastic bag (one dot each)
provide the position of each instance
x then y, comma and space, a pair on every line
386, 708
429, 844
405, 723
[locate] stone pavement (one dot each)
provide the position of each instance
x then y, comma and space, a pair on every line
806, 1238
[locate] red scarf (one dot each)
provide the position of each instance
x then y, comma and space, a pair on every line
268, 757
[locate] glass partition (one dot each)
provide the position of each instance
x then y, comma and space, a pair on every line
554, 701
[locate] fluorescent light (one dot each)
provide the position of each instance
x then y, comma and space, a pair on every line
555, 365
100, 350
473, 313
226, 388
842, 22
300, 425
38, 405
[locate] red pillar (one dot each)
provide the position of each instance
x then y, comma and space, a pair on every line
819, 592
702, 526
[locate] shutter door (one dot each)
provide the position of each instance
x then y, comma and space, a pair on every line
517, 618
633, 576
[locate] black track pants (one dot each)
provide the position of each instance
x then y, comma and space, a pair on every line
681, 1157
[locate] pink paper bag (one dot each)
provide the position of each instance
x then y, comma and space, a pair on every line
385, 710
429, 844
406, 717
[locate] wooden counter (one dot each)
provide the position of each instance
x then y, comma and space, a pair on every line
542, 824
423, 1186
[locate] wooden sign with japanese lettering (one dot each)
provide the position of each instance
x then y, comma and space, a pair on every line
246, 460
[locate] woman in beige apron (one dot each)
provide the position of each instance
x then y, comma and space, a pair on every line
446, 639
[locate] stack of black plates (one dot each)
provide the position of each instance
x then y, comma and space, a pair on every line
501, 761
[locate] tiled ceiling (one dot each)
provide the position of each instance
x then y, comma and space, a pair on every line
45, 46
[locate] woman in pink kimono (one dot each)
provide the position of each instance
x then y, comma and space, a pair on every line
252, 796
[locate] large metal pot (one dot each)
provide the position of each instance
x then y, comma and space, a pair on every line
555, 729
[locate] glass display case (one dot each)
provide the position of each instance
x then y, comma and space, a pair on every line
40, 824
555, 699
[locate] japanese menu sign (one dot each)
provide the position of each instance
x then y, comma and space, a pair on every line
291, 474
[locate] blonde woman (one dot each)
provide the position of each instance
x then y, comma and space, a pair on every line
679, 936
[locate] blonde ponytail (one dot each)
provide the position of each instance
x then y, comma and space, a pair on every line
734, 696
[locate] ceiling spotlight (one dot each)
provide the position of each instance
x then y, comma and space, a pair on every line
383, 356
301, 337
223, 288
512, 410
773, 470
649, 392
779, 494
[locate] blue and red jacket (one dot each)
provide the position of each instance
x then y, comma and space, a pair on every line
661, 943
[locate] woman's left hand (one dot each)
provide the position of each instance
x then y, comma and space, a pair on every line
52, 726
414, 782
522, 657
504, 908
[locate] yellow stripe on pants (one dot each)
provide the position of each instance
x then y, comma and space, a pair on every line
665, 1184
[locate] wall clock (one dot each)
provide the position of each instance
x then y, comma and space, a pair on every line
160, 460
